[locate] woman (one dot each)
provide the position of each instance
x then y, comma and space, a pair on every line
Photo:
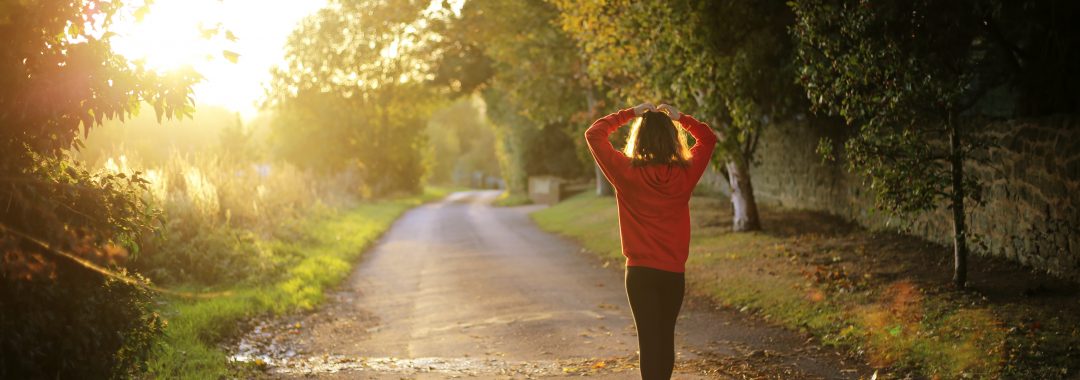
653, 177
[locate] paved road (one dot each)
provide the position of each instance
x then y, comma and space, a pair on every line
461, 288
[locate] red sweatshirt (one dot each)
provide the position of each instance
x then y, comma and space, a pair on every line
654, 200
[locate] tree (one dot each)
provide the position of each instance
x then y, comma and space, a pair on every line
462, 143
65, 304
353, 92
531, 77
916, 78
727, 61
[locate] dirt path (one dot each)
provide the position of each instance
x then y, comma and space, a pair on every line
461, 288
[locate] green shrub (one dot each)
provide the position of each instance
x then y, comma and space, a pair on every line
79, 325
216, 213
199, 254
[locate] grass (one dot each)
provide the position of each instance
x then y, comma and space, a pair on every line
506, 199
322, 258
880, 296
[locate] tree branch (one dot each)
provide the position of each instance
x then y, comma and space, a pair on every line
755, 137
1015, 54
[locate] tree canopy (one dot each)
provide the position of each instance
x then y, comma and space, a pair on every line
353, 94
916, 79
728, 62
59, 78
530, 75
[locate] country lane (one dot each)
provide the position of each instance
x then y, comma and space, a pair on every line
460, 288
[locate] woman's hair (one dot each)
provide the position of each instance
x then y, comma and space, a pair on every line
654, 139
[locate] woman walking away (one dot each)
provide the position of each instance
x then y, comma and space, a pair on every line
653, 177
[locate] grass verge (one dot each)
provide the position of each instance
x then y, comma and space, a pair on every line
506, 199
322, 257
879, 295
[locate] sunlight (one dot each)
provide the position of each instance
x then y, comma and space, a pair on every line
169, 36
179, 33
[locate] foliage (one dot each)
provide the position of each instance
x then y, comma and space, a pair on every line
511, 131
897, 71
215, 214
549, 151
59, 78
506, 199
728, 62
903, 325
914, 78
539, 71
462, 144
533, 84
141, 138
238, 143
524, 149
215, 208
352, 95
61, 74
78, 325
314, 256
217, 195
247, 237
62, 78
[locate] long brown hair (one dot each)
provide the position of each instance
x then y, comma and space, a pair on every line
654, 139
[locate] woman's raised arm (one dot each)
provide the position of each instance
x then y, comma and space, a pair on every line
611, 161
705, 139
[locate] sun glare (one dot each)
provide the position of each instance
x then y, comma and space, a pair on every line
169, 36
203, 33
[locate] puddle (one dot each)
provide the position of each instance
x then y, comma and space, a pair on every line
268, 344
447, 366
450, 367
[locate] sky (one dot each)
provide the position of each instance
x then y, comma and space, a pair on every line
170, 36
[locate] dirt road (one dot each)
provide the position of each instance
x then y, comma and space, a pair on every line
461, 288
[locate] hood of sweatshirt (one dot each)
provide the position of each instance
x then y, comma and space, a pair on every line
667, 180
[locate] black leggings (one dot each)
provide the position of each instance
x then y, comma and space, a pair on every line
655, 299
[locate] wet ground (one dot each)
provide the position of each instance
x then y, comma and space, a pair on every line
460, 288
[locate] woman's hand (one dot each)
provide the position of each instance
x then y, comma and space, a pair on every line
641, 108
670, 111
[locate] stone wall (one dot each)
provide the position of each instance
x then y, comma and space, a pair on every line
1032, 191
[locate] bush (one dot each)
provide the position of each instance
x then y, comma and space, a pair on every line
205, 255
59, 318
80, 325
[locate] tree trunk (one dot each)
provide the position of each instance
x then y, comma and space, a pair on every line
603, 187
745, 213
960, 249
745, 216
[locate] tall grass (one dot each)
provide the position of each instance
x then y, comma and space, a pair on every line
321, 256
256, 238
216, 215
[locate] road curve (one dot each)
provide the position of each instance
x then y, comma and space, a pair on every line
462, 288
